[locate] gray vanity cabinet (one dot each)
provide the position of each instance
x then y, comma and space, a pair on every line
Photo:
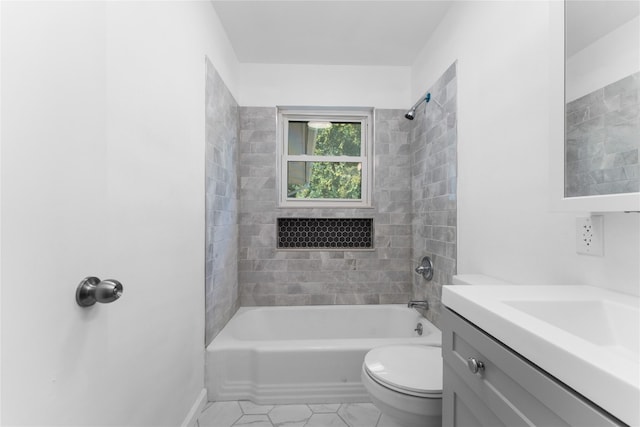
506, 390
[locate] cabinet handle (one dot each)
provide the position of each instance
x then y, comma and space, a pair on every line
475, 365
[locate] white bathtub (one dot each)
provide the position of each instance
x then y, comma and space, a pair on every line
310, 354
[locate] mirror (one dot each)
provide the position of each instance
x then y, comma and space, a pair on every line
602, 97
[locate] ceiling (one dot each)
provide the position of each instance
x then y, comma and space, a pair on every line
589, 20
330, 32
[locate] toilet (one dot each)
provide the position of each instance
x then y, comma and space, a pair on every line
405, 383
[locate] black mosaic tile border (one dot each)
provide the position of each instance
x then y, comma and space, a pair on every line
325, 233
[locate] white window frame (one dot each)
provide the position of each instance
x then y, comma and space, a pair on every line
364, 116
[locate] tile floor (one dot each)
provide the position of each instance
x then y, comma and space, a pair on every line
248, 414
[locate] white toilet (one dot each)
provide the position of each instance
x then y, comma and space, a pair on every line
405, 383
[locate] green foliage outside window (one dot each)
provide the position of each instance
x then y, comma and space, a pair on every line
333, 180
341, 139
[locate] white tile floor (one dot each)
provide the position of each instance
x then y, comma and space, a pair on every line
245, 413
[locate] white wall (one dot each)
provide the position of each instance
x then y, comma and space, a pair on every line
103, 174
505, 227
268, 85
609, 59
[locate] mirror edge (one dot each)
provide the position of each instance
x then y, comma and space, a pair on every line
558, 201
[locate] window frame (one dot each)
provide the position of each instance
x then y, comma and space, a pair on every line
364, 116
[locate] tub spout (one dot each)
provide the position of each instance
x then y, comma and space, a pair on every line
420, 304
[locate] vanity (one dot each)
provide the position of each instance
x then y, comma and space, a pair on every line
554, 356
539, 355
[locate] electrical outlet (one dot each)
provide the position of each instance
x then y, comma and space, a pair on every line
590, 235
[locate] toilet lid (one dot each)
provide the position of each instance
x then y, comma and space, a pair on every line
411, 369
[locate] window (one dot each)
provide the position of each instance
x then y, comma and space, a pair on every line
325, 157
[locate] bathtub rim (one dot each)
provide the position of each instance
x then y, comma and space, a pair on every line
225, 338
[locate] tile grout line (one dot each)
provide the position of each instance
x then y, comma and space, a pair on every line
241, 411
269, 417
340, 416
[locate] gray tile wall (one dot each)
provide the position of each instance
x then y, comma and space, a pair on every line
433, 190
221, 198
276, 277
414, 212
603, 136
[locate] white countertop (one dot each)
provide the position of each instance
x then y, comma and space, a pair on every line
585, 336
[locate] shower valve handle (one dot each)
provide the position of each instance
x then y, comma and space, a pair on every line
425, 268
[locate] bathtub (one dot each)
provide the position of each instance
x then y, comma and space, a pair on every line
308, 354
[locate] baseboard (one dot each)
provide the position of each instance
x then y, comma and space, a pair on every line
194, 412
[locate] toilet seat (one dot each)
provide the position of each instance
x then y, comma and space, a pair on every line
415, 370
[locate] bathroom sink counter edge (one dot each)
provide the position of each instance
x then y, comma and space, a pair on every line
586, 337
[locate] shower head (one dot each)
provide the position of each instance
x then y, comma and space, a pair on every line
411, 114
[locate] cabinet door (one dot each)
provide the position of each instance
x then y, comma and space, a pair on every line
462, 407
509, 391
